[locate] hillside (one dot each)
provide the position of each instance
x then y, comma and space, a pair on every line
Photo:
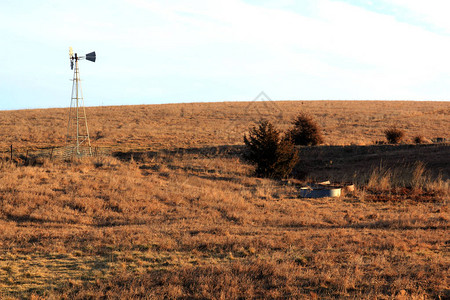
174, 212
212, 124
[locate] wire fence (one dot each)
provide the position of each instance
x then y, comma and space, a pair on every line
35, 155
25, 155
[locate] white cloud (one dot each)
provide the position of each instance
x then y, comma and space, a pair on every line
347, 51
380, 51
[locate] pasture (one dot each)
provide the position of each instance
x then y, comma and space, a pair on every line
174, 212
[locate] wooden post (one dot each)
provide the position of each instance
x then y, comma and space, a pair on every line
51, 153
11, 152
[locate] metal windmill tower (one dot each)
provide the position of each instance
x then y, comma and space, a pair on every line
78, 141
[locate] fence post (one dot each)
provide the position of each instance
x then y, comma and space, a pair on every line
51, 153
11, 152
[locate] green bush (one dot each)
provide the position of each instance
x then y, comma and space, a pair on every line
273, 155
305, 132
394, 135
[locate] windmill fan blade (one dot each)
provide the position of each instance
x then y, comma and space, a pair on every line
71, 64
70, 52
91, 56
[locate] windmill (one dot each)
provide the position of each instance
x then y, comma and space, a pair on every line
78, 141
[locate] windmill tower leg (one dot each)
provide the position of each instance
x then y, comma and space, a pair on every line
78, 140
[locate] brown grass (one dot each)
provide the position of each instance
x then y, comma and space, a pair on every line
212, 124
193, 223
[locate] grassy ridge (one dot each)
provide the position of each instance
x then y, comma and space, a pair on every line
210, 124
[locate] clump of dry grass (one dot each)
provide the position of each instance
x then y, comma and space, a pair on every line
394, 135
412, 179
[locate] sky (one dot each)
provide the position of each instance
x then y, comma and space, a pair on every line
153, 52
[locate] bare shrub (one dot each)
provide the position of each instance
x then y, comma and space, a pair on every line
274, 156
305, 132
394, 135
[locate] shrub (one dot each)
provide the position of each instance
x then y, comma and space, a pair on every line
306, 132
419, 139
394, 135
274, 156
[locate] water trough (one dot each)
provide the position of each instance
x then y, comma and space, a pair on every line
325, 189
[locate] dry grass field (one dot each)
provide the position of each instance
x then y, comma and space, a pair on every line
211, 124
175, 213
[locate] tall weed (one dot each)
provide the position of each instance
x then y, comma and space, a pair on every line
411, 176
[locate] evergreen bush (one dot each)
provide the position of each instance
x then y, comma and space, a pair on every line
273, 155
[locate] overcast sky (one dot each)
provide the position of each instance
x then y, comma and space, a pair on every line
208, 50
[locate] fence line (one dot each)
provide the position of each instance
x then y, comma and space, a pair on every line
52, 153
